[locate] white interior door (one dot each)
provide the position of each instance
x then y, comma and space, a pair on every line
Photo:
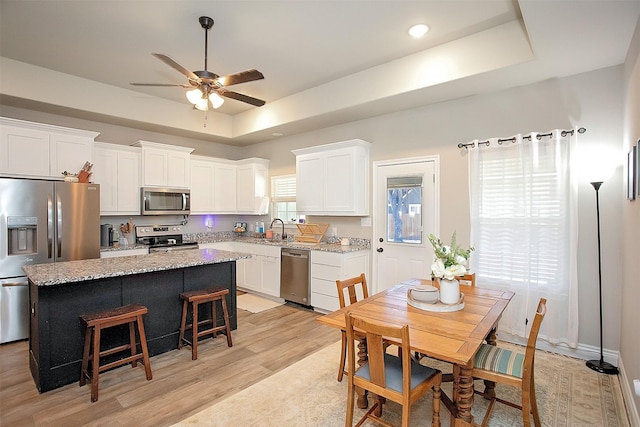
405, 206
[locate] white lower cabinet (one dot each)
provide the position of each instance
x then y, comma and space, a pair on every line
261, 272
326, 268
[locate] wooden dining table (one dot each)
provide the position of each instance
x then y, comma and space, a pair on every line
453, 336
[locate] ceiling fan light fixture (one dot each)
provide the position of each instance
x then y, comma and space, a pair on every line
216, 100
194, 96
202, 104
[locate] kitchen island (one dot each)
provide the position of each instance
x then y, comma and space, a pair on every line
59, 293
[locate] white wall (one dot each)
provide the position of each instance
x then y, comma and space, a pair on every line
592, 100
629, 335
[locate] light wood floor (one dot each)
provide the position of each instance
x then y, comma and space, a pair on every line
263, 344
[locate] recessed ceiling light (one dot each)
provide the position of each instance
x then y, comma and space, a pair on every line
418, 30
277, 134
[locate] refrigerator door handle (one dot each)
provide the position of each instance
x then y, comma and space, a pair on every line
49, 226
59, 226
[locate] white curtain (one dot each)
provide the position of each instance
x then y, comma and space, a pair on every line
524, 229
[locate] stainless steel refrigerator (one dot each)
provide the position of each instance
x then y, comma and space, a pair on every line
41, 222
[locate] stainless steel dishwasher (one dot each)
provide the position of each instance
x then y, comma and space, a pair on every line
294, 275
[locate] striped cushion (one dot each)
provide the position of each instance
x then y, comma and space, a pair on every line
496, 359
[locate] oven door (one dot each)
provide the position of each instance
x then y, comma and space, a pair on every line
165, 201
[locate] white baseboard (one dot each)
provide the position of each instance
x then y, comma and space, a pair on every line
628, 395
589, 352
583, 351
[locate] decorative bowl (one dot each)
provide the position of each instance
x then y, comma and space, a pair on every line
425, 293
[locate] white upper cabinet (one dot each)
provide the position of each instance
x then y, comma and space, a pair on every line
224, 187
202, 174
252, 175
228, 186
38, 150
117, 169
333, 179
165, 165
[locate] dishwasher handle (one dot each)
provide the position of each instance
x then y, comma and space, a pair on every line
297, 254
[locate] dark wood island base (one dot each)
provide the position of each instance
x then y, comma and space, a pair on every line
56, 342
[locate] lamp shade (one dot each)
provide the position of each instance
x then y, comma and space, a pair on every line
596, 164
194, 96
216, 100
202, 104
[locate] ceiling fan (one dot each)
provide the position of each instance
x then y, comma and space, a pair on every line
207, 86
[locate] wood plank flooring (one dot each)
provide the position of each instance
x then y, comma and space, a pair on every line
263, 344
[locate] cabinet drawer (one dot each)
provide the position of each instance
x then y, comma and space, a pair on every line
223, 246
328, 272
324, 286
326, 258
324, 302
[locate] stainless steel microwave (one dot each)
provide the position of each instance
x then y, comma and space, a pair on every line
165, 201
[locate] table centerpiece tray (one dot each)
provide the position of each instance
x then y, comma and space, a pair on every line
437, 306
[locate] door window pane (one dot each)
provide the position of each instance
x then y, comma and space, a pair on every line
404, 213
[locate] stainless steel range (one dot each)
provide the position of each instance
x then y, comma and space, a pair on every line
163, 238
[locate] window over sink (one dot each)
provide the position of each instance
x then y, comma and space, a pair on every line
283, 198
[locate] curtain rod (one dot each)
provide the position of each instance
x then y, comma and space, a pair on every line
513, 139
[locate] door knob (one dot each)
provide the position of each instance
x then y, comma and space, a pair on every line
380, 250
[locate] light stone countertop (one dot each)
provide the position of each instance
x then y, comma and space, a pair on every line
100, 268
326, 246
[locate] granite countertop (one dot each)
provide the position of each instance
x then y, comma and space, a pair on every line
355, 246
325, 246
119, 247
92, 269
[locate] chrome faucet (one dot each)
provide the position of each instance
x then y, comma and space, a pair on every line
284, 235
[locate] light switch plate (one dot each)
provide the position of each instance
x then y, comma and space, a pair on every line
365, 222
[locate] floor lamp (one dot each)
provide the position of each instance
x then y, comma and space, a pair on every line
600, 365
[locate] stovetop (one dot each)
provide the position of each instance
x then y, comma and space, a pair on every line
161, 236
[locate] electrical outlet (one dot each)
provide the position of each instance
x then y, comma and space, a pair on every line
334, 231
365, 222
636, 386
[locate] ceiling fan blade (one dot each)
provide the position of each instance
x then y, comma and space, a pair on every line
173, 64
241, 77
160, 84
240, 97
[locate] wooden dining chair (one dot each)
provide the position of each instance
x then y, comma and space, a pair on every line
351, 286
399, 379
468, 279
508, 367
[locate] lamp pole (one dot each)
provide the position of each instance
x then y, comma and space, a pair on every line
600, 365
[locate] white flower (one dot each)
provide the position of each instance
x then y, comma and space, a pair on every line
449, 259
455, 270
438, 268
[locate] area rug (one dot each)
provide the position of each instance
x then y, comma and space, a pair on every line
255, 303
307, 394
